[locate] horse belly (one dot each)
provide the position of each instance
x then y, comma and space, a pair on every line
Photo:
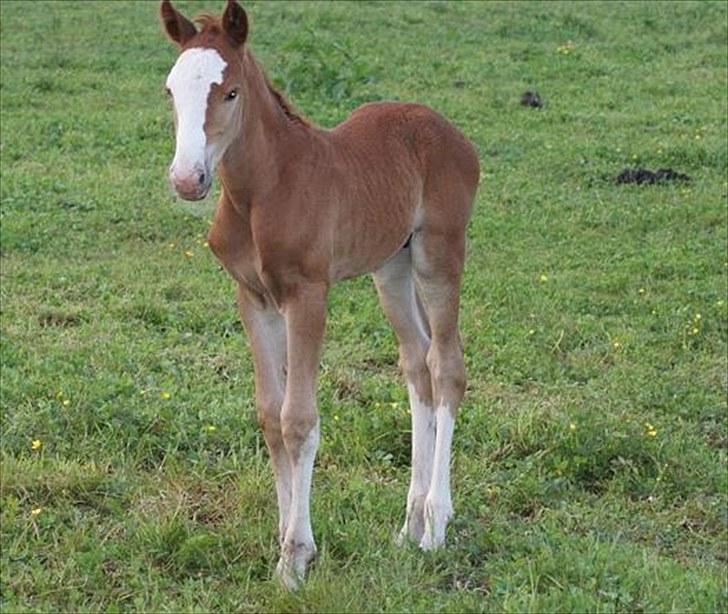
371, 232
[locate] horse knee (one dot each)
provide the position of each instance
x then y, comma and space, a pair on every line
269, 417
447, 369
417, 373
299, 429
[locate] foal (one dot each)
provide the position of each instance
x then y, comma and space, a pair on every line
389, 191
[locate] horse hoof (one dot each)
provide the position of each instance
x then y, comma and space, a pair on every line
437, 515
294, 563
287, 576
429, 542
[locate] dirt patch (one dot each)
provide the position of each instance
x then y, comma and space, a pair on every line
642, 175
531, 99
59, 318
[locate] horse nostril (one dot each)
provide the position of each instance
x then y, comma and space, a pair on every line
202, 178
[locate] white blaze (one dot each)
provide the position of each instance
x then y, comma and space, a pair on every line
190, 82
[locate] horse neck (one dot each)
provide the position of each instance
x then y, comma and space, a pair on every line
253, 159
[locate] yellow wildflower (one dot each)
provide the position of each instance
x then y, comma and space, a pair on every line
543, 279
566, 48
189, 254
572, 426
36, 444
36, 511
164, 394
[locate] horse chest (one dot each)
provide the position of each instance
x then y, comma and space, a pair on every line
231, 241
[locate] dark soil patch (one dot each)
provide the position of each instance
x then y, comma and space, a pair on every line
531, 99
57, 318
642, 175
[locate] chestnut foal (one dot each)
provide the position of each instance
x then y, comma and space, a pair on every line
389, 191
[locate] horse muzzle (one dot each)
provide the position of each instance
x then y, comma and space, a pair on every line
191, 185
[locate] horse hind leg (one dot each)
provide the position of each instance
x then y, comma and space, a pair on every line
398, 297
438, 258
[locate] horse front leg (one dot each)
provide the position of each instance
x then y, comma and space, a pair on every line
266, 330
305, 316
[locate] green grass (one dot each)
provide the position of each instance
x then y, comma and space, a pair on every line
589, 462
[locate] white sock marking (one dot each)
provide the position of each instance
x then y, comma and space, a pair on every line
438, 505
299, 527
423, 449
423, 443
298, 546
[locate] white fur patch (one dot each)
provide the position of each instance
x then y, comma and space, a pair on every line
440, 484
438, 504
423, 444
190, 82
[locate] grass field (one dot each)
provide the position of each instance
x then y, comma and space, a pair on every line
589, 467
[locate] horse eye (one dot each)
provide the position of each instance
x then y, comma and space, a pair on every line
231, 95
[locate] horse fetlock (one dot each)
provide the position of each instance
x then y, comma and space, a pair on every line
282, 529
414, 524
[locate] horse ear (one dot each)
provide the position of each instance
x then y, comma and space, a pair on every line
235, 22
178, 27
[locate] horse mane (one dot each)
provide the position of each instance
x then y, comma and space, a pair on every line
212, 24
284, 105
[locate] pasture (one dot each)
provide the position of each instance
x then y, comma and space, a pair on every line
589, 459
